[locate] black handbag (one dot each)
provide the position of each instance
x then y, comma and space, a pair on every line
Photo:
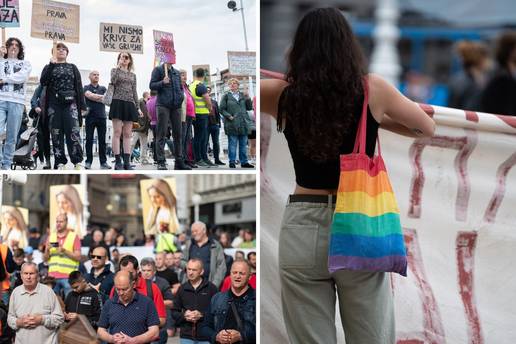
65, 97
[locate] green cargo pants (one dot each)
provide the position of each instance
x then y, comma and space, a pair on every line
308, 290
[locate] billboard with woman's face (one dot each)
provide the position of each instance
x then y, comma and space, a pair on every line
159, 205
14, 226
68, 199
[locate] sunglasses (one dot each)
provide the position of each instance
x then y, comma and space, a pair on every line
96, 257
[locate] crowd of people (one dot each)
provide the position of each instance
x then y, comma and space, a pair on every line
168, 113
195, 289
483, 85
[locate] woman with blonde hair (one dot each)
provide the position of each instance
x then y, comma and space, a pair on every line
162, 215
123, 110
69, 202
14, 228
234, 106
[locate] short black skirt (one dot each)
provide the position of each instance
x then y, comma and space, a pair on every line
122, 110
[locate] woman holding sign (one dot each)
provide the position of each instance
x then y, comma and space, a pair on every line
65, 101
124, 108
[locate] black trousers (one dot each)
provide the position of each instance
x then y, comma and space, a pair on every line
100, 125
43, 138
64, 124
166, 116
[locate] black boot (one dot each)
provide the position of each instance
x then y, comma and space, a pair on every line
180, 165
118, 162
127, 162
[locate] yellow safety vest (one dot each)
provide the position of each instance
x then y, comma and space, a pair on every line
200, 104
59, 262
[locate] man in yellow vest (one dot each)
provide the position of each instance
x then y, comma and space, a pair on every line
202, 103
63, 253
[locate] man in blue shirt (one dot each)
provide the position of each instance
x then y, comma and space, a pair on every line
128, 317
96, 118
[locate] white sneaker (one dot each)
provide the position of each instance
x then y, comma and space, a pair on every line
77, 167
61, 167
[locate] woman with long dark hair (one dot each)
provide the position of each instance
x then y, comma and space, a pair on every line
318, 107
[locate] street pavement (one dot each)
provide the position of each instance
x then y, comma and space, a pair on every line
138, 166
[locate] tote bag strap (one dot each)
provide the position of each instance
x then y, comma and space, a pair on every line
360, 140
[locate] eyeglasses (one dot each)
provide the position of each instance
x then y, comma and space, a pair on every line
14, 44
96, 257
125, 57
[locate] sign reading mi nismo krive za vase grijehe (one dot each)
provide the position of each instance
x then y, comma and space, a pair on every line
121, 37
55, 21
9, 13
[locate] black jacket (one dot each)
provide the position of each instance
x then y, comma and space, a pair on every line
498, 96
46, 80
105, 279
214, 117
87, 303
188, 298
170, 95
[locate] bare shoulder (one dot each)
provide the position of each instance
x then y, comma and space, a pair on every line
270, 92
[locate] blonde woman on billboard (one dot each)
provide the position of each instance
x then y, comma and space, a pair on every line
162, 215
69, 202
14, 228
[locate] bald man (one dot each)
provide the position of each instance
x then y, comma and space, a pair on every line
96, 118
209, 251
129, 317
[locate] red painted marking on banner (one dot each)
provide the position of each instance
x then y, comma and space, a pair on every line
499, 193
271, 74
471, 116
465, 247
428, 109
433, 330
465, 145
509, 120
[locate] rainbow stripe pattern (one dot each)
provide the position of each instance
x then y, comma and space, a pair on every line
366, 231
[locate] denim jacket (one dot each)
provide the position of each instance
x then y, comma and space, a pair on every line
213, 323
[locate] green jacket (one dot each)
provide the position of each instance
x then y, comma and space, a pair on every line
231, 108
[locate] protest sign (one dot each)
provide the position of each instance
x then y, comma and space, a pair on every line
164, 47
9, 13
55, 21
242, 63
121, 37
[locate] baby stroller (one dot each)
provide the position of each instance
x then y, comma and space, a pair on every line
26, 152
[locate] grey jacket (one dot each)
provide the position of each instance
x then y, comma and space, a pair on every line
217, 262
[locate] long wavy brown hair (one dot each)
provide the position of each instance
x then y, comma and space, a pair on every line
325, 71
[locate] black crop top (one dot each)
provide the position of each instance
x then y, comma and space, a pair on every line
325, 175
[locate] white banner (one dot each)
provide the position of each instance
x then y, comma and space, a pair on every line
456, 192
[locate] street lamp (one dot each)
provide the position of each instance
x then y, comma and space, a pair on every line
233, 6
196, 200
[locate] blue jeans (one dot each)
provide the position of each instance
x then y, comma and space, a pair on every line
241, 141
62, 284
200, 140
10, 122
190, 341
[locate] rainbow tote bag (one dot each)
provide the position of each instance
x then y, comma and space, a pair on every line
366, 232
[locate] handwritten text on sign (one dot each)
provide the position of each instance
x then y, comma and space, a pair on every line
9, 13
56, 21
164, 47
120, 37
242, 63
